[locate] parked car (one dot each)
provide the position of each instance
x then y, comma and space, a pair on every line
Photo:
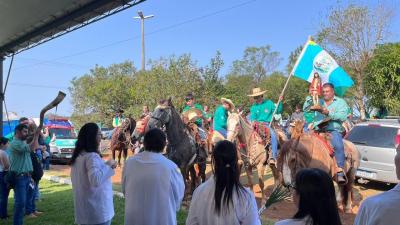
377, 141
106, 132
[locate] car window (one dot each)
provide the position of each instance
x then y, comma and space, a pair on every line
376, 136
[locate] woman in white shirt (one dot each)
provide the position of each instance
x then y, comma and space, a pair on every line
4, 167
90, 176
314, 196
222, 199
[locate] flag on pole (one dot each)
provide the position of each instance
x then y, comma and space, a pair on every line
313, 59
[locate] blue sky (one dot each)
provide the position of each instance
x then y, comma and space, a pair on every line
197, 27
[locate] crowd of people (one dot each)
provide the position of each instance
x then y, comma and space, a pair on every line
23, 157
154, 188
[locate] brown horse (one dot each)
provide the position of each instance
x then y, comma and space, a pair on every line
121, 139
252, 153
307, 150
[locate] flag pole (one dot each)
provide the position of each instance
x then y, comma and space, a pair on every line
287, 81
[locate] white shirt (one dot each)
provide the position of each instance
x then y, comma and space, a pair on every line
153, 187
303, 221
92, 188
202, 210
382, 209
4, 161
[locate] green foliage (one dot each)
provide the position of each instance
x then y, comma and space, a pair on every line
383, 78
212, 82
100, 93
257, 62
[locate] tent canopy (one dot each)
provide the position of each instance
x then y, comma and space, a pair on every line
25, 24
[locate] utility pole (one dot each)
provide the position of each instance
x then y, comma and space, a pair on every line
142, 18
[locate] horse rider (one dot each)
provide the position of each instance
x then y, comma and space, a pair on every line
191, 104
221, 116
297, 115
118, 118
260, 117
334, 111
145, 111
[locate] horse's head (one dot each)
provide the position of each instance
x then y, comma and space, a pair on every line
233, 126
161, 115
294, 156
297, 128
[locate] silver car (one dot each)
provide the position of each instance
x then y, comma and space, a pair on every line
376, 140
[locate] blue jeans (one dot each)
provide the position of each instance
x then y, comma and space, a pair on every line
105, 223
338, 146
274, 143
30, 206
20, 194
4, 191
46, 163
223, 132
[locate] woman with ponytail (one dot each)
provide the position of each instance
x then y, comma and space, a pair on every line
222, 199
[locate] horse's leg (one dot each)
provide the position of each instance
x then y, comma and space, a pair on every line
113, 153
260, 171
348, 191
125, 154
249, 173
193, 179
119, 156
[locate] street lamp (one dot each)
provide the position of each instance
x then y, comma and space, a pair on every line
142, 18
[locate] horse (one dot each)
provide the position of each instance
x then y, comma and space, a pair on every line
181, 148
121, 139
252, 151
311, 150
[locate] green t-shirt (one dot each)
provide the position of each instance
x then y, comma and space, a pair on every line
220, 118
199, 122
20, 158
263, 112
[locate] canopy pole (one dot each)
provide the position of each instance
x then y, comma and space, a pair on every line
287, 81
1, 93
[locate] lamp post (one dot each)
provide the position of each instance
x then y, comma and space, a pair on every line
142, 18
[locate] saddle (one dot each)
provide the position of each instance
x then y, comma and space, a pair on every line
263, 130
324, 138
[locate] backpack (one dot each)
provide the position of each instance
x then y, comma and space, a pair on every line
37, 173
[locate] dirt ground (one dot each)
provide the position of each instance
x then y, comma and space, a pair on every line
279, 211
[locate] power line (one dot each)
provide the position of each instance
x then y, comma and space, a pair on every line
38, 86
147, 34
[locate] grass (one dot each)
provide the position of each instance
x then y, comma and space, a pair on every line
57, 204
58, 207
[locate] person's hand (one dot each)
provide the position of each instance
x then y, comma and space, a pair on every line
324, 111
281, 98
112, 163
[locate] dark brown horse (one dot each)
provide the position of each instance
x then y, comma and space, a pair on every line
121, 139
182, 148
310, 150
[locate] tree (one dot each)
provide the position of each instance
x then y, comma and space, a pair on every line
237, 87
213, 83
257, 62
293, 58
96, 96
383, 78
352, 33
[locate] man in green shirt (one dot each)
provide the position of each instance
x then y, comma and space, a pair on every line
221, 116
191, 103
261, 116
21, 167
335, 109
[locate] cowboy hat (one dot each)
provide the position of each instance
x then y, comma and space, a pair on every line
192, 114
256, 92
227, 100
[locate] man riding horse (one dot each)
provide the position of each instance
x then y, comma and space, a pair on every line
332, 114
191, 104
260, 116
221, 116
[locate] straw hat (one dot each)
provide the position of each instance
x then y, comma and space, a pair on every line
227, 100
192, 114
256, 92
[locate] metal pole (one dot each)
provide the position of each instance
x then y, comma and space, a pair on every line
287, 81
143, 58
1, 93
